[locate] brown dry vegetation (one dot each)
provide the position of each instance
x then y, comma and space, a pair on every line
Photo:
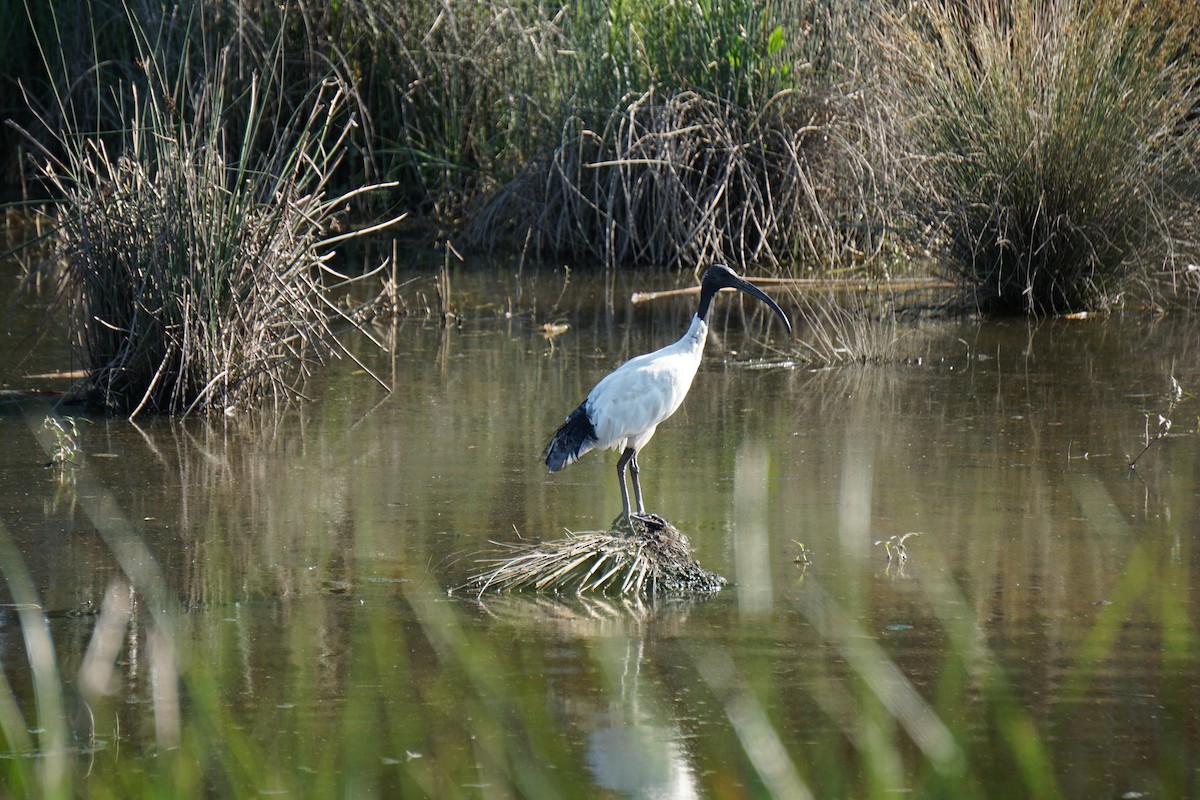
677, 180
1044, 152
1051, 148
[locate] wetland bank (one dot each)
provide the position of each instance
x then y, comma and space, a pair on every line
242, 590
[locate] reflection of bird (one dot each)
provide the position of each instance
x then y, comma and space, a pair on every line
624, 409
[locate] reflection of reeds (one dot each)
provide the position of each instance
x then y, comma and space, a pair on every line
647, 559
590, 616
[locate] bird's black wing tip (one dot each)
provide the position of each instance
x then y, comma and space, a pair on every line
572, 439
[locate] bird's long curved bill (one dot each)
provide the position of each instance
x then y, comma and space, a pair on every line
754, 291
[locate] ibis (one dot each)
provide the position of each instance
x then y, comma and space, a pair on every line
626, 407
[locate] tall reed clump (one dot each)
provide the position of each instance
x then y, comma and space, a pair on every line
1052, 144
692, 133
194, 258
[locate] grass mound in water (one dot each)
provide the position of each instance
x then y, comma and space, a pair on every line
649, 557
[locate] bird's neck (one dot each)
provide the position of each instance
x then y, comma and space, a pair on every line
707, 290
696, 334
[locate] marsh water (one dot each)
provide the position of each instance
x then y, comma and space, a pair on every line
1039, 640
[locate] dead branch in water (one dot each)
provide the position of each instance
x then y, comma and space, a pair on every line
904, 285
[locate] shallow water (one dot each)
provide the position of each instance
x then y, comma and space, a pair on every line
1040, 640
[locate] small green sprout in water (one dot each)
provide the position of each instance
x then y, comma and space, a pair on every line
66, 448
802, 559
1163, 426
894, 546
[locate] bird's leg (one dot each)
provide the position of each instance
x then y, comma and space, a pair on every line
651, 521
625, 458
637, 486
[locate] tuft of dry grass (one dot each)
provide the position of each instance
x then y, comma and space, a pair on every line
1051, 145
680, 178
193, 261
647, 559
848, 327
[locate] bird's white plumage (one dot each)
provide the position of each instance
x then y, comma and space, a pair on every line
627, 406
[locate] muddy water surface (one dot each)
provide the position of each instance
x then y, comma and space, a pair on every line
1041, 638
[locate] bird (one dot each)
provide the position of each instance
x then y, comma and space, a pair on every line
625, 408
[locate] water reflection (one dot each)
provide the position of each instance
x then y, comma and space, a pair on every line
751, 542
628, 743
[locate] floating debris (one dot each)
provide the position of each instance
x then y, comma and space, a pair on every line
802, 559
651, 557
894, 546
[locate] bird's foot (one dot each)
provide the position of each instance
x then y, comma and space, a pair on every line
652, 521
639, 522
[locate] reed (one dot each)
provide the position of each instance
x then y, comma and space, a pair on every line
457, 92
849, 327
36, 73
676, 179
194, 257
695, 133
1051, 145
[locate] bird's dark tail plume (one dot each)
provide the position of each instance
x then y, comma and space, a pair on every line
574, 438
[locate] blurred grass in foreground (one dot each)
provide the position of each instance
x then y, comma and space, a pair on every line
392, 689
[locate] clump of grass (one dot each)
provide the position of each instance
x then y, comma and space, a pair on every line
195, 261
845, 328
1050, 142
1163, 423
695, 132
64, 453
644, 559
672, 179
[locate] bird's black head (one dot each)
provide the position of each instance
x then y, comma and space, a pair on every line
719, 277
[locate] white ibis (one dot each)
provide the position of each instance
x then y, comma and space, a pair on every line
624, 409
